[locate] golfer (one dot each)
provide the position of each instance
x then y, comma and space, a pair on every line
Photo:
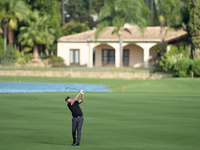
77, 114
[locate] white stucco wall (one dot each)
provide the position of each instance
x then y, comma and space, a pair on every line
98, 53
64, 52
135, 55
139, 53
98, 56
146, 51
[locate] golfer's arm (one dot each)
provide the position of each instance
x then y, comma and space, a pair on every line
75, 98
82, 99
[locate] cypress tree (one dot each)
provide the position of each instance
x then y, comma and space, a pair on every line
194, 24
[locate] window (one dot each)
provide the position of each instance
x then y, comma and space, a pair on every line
74, 57
126, 57
108, 57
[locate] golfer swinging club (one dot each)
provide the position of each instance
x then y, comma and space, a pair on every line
77, 114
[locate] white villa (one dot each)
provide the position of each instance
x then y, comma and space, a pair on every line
82, 49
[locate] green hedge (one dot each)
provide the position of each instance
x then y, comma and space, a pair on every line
196, 67
165, 65
183, 67
56, 61
10, 57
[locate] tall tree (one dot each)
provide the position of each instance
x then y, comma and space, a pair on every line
74, 28
81, 10
63, 14
119, 13
77, 10
147, 3
37, 31
11, 11
169, 12
104, 2
194, 24
152, 12
54, 9
97, 5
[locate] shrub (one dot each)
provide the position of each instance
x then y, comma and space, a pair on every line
183, 67
158, 48
174, 50
21, 61
181, 74
1, 43
165, 64
56, 61
28, 57
24, 56
24, 59
46, 56
196, 67
10, 57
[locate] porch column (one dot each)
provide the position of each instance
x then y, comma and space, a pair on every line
146, 48
146, 57
117, 56
90, 55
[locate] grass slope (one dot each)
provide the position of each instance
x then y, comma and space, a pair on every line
172, 85
149, 115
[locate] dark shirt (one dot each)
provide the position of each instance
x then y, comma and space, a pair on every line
75, 109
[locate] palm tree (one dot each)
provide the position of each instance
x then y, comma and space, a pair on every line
63, 13
151, 7
169, 12
147, 3
36, 32
119, 13
152, 3
10, 12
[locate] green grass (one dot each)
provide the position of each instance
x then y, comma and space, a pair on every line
149, 115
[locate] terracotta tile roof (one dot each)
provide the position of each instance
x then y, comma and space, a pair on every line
149, 34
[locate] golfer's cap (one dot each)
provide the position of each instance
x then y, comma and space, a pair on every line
67, 98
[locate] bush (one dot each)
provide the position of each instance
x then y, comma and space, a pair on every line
24, 58
10, 57
183, 67
56, 61
196, 67
28, 57
1, 43
165, 64
181, 74
174, 50
46, 56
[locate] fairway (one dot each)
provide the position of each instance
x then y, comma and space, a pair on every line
149, 115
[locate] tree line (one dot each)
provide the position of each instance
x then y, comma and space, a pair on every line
35, 25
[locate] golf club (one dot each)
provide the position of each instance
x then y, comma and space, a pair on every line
72, 88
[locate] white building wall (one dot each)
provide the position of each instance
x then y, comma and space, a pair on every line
64, 52
98, 56
139, 53
135, 55
146, 49
98, 53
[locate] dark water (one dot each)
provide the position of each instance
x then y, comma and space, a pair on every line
26, 87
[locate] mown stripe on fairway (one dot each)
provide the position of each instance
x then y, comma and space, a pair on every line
163, 118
